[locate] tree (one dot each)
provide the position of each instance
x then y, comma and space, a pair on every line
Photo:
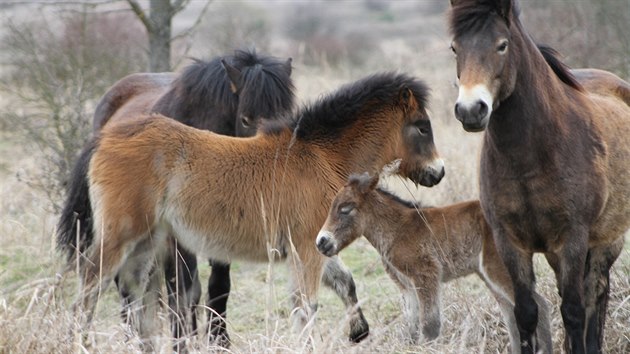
158, 25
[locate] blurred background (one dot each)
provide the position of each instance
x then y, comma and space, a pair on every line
58, 57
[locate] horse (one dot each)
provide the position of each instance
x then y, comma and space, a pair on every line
553, 156
229, 95
260, 198
422, 247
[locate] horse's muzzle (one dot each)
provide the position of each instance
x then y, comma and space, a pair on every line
473, 119
432, 174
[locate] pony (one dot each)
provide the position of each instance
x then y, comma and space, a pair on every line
422, 247
259, 199
229, 95
553, 156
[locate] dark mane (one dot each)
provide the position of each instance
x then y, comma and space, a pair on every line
406, 203
552, 57
202, 92
267, 83
473, 16
330, 115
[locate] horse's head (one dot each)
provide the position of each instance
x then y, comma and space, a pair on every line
346, 222
486, 55
263, 87
420, 160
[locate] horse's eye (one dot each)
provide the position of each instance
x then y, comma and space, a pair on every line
502, 47
423, 131
245, 121
346, 209
453, 49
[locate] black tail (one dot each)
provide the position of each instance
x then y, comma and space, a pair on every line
77, 211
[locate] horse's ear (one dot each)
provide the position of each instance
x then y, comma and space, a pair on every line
505, 10
406, 97
287, 66
233, 74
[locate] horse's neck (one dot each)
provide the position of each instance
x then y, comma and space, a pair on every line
537, 105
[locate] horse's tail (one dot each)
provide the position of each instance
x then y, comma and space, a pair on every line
74, 231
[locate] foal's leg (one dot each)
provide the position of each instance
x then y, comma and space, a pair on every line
184, 292
411, 304
218, 293
427, 287
337, 277
596, 289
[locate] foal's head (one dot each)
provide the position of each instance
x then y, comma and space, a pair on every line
263, 86
485, 43
347, 218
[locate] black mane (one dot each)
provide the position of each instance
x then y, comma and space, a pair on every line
473, 16
552, 57
202, 93
406, 203
330, 115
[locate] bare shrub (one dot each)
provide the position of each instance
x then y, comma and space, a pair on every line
56, 72
231, 25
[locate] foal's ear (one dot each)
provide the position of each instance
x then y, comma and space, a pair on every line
287, 66
366, 183
233, 74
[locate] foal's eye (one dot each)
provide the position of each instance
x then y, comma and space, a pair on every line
502, 47
346, 209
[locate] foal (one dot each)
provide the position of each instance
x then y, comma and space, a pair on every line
421, 248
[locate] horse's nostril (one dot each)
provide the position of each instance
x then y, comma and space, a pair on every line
481, 108
457, 112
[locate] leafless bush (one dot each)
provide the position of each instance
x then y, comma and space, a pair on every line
56, 72
233, 25
590, 33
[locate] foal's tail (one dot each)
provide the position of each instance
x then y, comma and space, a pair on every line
75, 223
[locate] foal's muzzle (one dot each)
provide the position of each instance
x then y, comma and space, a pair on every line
326, 244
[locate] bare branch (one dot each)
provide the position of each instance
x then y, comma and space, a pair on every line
137, 9
194, 26
178, 6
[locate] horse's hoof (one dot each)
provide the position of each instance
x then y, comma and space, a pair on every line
359, 329
221, 339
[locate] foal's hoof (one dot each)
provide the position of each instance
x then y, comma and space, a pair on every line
359, 329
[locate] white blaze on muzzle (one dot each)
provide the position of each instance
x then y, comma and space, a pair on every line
469, 97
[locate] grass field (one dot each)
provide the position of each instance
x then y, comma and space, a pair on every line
35, 296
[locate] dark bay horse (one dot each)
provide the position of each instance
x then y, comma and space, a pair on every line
554, 164
422, 247
228, 95
255, 199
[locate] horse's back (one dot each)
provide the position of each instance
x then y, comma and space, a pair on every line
610, 98
604, 83
130, 96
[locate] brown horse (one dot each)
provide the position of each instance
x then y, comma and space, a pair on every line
256, 198
421, 248
553, 164
228, 95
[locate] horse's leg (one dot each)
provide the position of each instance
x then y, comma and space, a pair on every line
218, 293
306, 265
427, 286
596, 289
572, 260
337, 277
520, 267
184, 292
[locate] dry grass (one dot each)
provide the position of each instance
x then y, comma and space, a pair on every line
35, 300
